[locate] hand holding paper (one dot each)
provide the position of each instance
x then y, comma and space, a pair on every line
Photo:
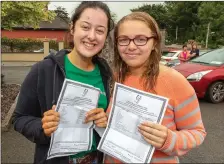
154, 134
122, 138
72, 135
50, 121
98, 116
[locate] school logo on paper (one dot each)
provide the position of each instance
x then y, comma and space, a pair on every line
84, 92
137, 99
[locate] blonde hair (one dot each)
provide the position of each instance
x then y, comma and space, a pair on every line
151, 72
194, 44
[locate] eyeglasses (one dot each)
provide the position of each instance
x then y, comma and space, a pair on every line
138, 41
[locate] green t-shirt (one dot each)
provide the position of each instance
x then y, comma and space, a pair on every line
92, 78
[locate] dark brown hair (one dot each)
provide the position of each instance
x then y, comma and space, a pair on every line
184, 45
80, 9
152, 68
93, 4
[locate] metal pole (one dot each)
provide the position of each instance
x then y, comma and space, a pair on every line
176, 32
206, 42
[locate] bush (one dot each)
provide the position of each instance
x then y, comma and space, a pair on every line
24, 44
53, 45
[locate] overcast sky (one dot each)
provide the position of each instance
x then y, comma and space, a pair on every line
119, 8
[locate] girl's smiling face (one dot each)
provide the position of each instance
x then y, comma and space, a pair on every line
134, 55
90, 32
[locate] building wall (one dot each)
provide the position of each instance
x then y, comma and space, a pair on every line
52, 35
22, 57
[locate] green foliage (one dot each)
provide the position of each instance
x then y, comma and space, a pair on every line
158, 12
210, 10
189, 20
53, 45
213, 13
20, 45
24, 45
62, 13
184, 19
114, 16
23, 13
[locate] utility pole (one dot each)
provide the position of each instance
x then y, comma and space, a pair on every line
206, 42
176, 32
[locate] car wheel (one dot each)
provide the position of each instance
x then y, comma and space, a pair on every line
215, 93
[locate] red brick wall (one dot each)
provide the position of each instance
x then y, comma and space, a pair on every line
53, 35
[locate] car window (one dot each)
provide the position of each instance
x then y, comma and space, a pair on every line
215, 57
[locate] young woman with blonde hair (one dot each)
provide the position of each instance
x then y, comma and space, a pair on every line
137, 56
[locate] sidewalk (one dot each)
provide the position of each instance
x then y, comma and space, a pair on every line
15, 148
15, 74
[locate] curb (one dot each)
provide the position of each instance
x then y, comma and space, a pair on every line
5, 125
17, 64
28, 65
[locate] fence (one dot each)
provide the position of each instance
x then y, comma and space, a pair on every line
28, 56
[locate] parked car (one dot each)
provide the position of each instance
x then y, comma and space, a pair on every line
175, 62
42, 50
169, 56
206, 74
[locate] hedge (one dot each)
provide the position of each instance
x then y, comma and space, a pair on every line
24, 45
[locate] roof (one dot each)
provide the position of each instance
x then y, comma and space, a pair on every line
56, 24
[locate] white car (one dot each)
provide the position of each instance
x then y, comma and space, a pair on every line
174, 62
42, 50
169, 56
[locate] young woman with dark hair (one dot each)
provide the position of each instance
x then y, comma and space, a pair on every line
35, 116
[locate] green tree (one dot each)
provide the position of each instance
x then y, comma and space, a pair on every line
158, 12
211, 15
114, 16
178, 18
183, 20
62, 13
21, 13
